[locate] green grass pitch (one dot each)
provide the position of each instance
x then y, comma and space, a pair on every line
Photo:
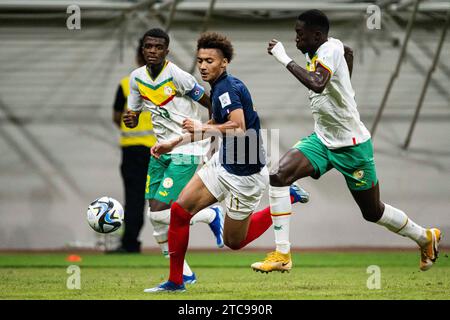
225, 275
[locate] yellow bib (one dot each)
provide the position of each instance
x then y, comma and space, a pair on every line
143, 133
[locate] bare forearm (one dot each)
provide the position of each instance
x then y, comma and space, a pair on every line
185, 139
190, 137
311, 80
228, 128
208, 130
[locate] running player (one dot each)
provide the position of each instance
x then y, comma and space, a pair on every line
135, 144
171, 95
238, 178
340, 140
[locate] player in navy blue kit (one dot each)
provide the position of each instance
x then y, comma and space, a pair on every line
236, 174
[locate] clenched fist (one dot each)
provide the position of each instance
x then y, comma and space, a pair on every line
192, 126
131, 119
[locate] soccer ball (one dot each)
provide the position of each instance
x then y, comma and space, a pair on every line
105, 215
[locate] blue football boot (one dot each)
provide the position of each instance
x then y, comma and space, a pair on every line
189, 279
217, 226
167, 286
299, 194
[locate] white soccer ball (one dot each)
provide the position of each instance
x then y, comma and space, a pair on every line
105, 215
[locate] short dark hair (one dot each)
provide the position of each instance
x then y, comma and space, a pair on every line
315, 19
157, 33
214, 40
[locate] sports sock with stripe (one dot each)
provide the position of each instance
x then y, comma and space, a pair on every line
397, 221
280, 210
261, 221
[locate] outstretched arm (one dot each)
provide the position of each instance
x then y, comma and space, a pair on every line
315, 81
234, 126
197, 131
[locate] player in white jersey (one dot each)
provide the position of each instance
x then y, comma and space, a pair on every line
235, 175
340, 140
171, 95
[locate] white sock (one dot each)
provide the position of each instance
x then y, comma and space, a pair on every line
206, 215
397, 221
160, 221
281, 209
186, 269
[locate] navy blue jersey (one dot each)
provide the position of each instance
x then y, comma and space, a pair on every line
245, 155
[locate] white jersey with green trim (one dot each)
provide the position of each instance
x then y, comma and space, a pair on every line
170, 97
337, 120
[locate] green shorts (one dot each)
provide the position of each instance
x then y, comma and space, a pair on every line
356, 163
169, 175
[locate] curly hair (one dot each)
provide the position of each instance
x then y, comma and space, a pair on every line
214, 40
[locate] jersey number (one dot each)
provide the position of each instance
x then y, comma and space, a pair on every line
234, 200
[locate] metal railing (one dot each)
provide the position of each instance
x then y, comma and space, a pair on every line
220, 7
394, 75
427, 81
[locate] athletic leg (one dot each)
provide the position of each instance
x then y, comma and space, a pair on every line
397, 221
194, 197
239, 233
159, 216
357, 165
293, 166
177, 170
308, 157
177, 176
158, 211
